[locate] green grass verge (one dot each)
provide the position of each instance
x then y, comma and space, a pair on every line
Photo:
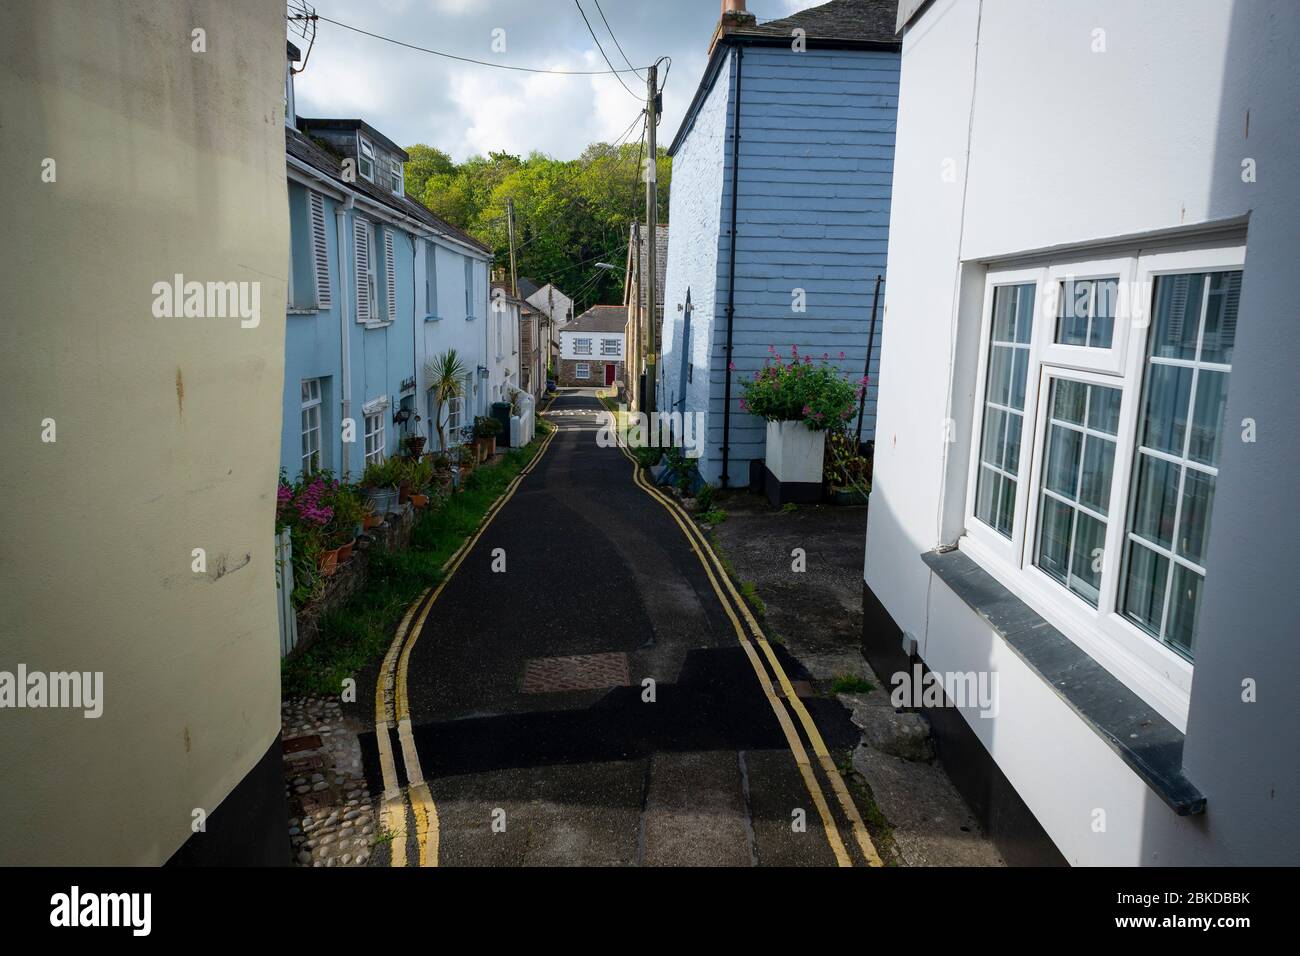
354, 635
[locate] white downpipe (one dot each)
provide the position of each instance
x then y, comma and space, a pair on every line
345, 353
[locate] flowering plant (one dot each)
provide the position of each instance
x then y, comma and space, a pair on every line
799, 390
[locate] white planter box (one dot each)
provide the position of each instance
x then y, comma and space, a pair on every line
794, 462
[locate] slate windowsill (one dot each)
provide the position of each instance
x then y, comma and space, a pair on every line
1142, 738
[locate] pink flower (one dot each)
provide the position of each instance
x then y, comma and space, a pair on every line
807, 409
826, 356
772, 349
731, 366
744, 405
841, 356
864, 380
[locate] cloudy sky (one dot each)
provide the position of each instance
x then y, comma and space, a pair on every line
465, 109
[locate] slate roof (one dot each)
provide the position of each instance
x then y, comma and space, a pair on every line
527, 287
600, 318
328, 163
853, 20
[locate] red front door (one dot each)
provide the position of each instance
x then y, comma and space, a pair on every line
609, 374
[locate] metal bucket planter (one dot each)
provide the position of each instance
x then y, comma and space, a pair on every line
381, 500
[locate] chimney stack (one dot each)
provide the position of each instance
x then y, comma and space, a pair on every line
734, 17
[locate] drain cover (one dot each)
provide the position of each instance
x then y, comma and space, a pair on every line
546, 675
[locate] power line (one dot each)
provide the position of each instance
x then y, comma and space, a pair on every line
602, 52
467, 59
614, 38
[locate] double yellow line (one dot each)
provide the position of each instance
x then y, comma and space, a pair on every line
392, 705
731, 602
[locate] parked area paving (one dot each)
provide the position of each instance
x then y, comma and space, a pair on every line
817, 614
579, 695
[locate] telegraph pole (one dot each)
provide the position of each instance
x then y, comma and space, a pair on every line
510, 228
652, 234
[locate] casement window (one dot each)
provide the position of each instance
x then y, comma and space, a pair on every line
581, 346
455, 419
374, 438
582, 370
1099, 428
611, 347
430, 280
310, 425
395, 178
365, 158
319, 249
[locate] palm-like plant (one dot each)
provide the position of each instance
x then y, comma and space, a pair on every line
445, 376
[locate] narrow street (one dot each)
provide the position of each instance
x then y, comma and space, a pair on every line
593, 704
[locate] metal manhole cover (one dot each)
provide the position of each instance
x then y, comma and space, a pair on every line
296, 744
547, 675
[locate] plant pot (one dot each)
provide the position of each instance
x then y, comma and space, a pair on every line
328, 562
848, 496
381, 500
414, 446
419, 501
793, 463
491, 444
344, 551
403, 492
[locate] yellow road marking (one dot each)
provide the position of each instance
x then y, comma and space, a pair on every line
391, 704
699, 546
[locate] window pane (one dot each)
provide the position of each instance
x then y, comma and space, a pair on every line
1207, 417
1184, 606
1072, 314
1177, 318
1055, 519
995, 434
1095, 479
1062, 472
1019, 373
1168, 392
1012, 463
1103, 410
1154, 499
1144, 596
1006, 505
1089, 541
1069, 400
1194, 520
1102, 330
1221, 317
1024, 312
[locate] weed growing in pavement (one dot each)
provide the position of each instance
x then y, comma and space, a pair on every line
358, 632
789, 506
714, 517
850, 684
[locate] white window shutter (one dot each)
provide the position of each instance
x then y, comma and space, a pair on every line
389, 278
320, 253
361, 245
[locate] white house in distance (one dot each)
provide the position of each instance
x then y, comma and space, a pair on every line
1085, 446
592, 348
557, 306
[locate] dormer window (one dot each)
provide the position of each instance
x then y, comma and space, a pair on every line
365, 158
395, 182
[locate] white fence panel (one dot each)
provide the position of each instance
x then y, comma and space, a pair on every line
284, 592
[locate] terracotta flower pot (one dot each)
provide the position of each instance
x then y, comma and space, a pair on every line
420, 501
403, 492
328, 562
345, 551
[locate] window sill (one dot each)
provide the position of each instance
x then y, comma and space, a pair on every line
291, 310
470, 318
375, 325
433, 318
1143, 739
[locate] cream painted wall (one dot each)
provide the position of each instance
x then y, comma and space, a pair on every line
168, 161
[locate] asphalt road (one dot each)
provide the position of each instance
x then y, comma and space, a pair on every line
534, 757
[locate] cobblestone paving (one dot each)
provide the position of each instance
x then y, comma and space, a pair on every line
331, 813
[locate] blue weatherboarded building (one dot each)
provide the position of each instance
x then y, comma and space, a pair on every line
805, 175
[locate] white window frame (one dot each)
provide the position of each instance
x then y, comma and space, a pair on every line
1155, 672
582, 370
365, 157
611, 348
396, 174
455, 420
375, 436
431, 280
309, 422
469, 289
582, 346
